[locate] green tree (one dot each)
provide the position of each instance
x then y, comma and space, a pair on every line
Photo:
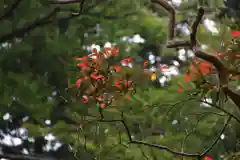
40, 41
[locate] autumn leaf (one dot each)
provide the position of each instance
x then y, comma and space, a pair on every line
116, 68
78, 83
85, 99
115, 51
82, 59
187, 78
236, 33
94, 76
83, 66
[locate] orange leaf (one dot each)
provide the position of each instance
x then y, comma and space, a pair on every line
107, 48
84, 99
126, 60
190, 87
117, 68
82, 59
94, 76
116, 84
102, 105
205, 70
187, 77
164, 67
108, 53
127, 83
205, 64
236, 33
145, 63
115, 51
83, 66
78, 83
207, 158
180, 90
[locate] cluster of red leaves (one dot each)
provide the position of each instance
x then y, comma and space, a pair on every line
201, 68
236, 33
97, 75
207, 158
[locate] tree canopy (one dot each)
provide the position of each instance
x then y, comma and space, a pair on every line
129, 79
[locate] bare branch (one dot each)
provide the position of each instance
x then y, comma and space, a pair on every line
41, 22
233, 94
178, 43
170, 9
175, 104
193, 38
222, 70
218, 137
191, 132
161, 147
143, 153
65, 1
37, 23
25, 157
100, 14
10, 10
223, 110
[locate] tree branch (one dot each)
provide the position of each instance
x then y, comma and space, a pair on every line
10, 10
42, 22
218, 137
100, 14
178, 43
195, 24
25, 157
64, 1
223, 110
170, 9
223, 71
37, 23
161, 147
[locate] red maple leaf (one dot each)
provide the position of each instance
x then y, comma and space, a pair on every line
94, 76
78, 83
236, 33
207, 158
187, 77
115, 51
84, 99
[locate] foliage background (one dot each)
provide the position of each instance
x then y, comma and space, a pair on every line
43, 119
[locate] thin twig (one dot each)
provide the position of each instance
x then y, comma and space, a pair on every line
41, 22
218, 137
174, 105
37, 23
10, 10
143, 153
64, 1
223, 71
191, 132
161, 147
223, 110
